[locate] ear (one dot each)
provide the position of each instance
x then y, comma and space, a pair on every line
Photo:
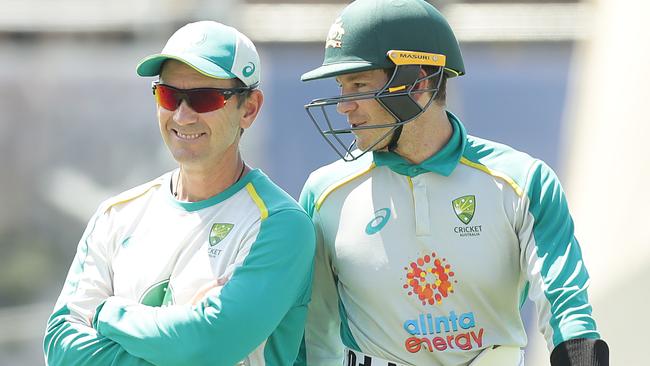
251, 108
424, 84
424, 98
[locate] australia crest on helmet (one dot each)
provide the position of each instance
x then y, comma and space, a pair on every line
335, 34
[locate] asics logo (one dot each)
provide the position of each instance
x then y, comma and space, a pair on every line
249, 69
379, 221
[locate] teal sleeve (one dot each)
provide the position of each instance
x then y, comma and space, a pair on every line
68, 343
69, 339
556, 271
322, 344
266, 295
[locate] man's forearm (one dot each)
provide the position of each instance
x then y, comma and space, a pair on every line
69, 343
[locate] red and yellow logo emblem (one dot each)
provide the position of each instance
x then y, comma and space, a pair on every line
429, 278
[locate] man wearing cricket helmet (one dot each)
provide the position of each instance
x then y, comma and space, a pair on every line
428, 239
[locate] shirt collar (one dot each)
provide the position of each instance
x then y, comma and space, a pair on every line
443, 162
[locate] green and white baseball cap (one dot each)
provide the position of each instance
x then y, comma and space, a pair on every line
211, 48
366, 30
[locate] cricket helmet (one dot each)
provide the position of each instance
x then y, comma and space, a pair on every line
402, 35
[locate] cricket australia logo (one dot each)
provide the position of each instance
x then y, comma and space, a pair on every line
335, 34
464, 208
219, 232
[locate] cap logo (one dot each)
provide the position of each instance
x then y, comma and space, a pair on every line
201, 38
249, 69
335, 34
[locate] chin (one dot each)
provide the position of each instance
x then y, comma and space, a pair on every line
183, 156
381, 146
364, 147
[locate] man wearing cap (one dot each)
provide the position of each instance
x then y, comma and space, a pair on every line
210, 264
428, 239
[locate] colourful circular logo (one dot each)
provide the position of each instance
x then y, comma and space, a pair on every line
429, 279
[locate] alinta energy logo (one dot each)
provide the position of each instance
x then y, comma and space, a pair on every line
439, 333
464, 208
429, 279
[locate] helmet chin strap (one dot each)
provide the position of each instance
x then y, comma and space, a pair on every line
392, 144
402, 107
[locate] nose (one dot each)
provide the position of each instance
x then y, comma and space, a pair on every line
345, 107
184, 114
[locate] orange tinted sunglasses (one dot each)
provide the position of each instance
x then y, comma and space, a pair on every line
201, 100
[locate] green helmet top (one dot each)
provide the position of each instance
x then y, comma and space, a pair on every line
366, 30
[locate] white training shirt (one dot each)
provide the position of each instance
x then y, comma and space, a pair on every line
143, 257
429, 264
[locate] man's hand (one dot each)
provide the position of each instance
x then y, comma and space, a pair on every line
203, 291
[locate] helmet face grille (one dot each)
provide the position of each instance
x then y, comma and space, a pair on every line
396, 97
